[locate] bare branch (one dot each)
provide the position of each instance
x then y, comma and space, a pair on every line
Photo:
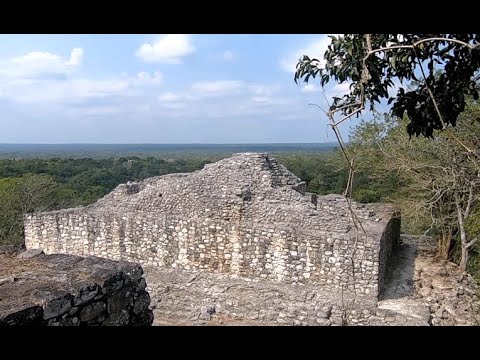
359, 103
326, 113
471, 243
450, 132
429, 90
471, 46
470, 200
349, 116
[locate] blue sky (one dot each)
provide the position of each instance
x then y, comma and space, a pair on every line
170, 88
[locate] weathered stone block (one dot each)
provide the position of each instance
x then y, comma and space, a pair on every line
86, 294
120, 300
50, 285
142, 301
117, 319
57, 307
92, 311
27, 317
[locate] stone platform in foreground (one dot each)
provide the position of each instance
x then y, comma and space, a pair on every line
59, 290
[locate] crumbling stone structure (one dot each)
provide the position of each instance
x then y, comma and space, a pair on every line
68, 290
245, 216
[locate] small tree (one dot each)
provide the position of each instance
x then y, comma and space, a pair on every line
18, 196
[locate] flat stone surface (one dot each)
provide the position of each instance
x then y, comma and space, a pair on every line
415, 312
55, 283
27, 254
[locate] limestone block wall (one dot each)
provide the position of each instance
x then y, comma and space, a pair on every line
245, 216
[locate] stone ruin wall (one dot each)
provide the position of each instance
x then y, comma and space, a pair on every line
245, 216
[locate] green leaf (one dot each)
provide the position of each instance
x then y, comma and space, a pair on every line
393, 61
325, 79
302, 72
350, 49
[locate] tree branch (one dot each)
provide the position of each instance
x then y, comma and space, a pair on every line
471, 243
429, 90
469, 201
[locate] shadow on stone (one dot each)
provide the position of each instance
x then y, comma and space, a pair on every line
400, 273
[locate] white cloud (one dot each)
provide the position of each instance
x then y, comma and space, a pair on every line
315, 50
205, 90
169, 97
155, 78
216, 88
47, 83
264, 90
310, 88
79, 96
75, 90
76, 57
212, 99
169, 49
88, 88
37, 64
42, 77
37, 58
340, 89
227, 55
